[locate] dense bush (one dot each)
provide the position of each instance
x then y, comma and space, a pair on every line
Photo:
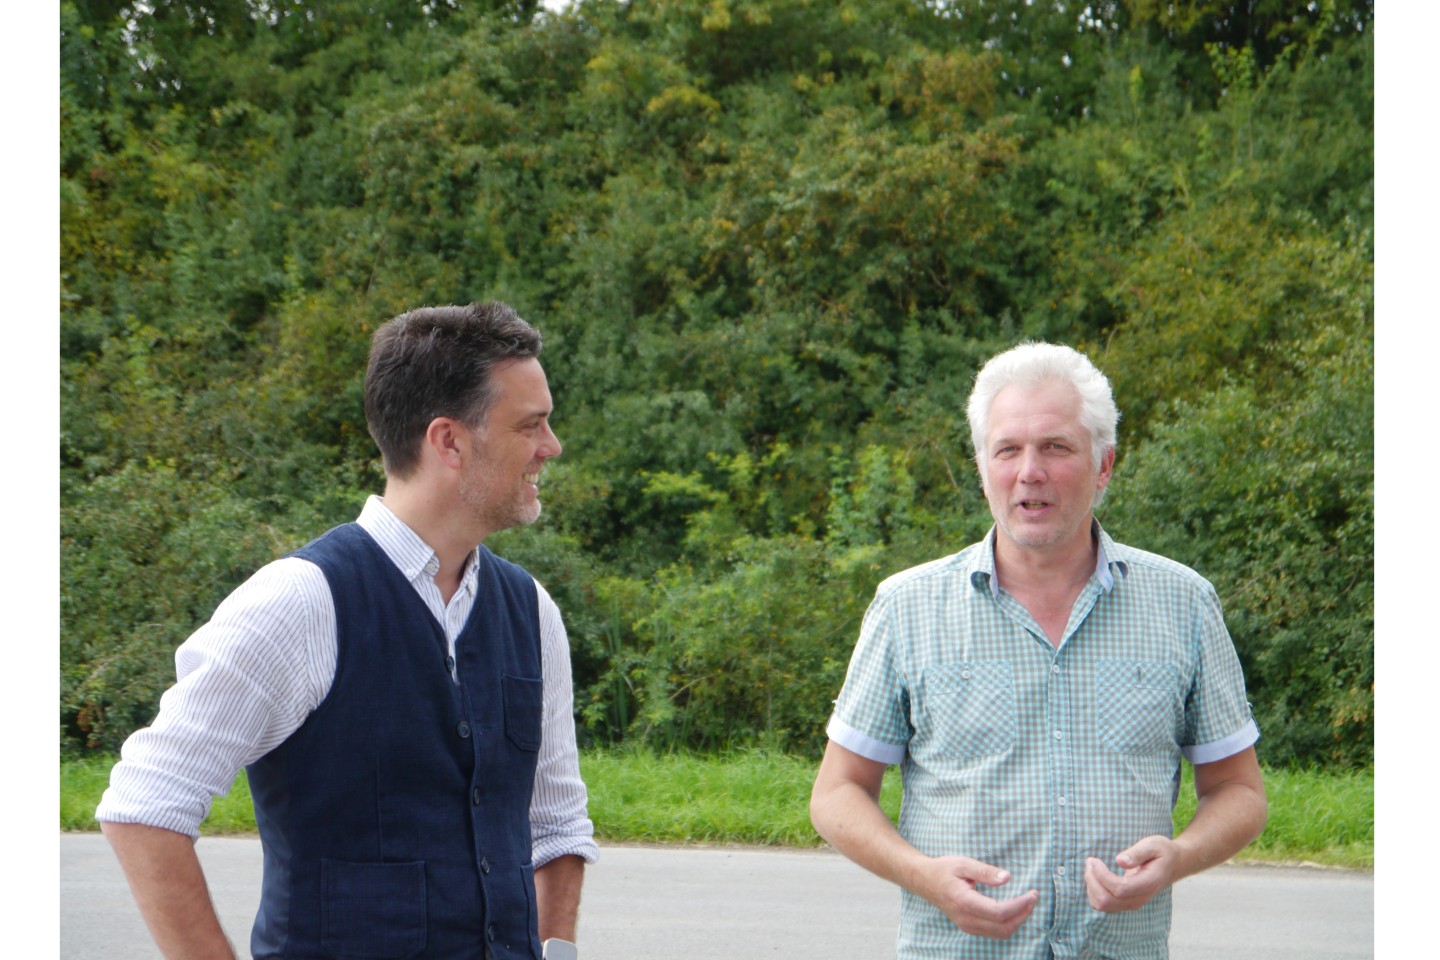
768, 244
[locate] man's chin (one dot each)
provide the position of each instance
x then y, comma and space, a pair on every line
528, 514
523, 517
1026, 536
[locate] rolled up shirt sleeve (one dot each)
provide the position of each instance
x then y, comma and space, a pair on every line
1218, 720
245, 681
871, 714
560, 824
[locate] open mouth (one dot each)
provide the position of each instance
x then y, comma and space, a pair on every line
531, 478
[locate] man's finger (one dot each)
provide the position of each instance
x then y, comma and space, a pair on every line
997, 920
1101, 884
1102, 875
1138, 855
987, 874
1020, 906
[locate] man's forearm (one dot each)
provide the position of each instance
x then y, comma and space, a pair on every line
557, 896
851, 821
169, 887
1226, 820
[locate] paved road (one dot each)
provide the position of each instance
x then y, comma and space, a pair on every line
735, 903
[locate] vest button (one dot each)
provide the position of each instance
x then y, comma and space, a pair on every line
490, 932
450, 664
475, 796
464, 730
484, 865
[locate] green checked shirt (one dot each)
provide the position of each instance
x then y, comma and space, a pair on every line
1033, 758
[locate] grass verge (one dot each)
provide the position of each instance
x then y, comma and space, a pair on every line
760, 797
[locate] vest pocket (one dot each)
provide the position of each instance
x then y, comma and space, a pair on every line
523, 700
374, 911
512, 921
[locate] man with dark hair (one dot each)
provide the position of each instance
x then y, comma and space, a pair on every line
400, 696
1038, 690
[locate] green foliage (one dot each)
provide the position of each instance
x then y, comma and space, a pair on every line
768, 244
1264, 32
1270, 494
148, 554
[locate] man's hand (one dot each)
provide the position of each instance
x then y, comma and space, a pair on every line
1230, 812
845, 809
952, 884
1150, 866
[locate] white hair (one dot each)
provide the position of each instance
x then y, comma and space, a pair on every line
1033, 364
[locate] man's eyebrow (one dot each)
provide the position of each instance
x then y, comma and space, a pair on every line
1044, 438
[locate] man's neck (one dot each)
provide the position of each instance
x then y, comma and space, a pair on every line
433, 517
1045, 581
1050, 570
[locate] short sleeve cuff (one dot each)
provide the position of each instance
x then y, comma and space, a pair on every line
1246, 736
863, 744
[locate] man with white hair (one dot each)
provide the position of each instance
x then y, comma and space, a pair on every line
1038, 690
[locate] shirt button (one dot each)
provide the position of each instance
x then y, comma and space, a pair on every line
1059, 735
463, 729
1062, 801
964, 674
1054, 668
1059, 871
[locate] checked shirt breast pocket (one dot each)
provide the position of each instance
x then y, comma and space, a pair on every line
969, 709
1138, 706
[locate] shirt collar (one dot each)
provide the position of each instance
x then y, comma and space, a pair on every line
1106, 569
410, 554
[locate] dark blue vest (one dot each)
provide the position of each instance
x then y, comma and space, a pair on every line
396, 819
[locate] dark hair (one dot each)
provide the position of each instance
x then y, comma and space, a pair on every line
436, 362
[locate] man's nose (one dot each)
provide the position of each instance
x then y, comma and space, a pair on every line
1031, 469
551, 446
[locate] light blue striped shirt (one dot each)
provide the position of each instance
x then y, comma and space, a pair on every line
1031, 757
251, 676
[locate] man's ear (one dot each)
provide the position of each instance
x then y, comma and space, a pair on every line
448, 441
1107, 469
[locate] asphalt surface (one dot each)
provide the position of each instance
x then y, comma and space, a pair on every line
709, 903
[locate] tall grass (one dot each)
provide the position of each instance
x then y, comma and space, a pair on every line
1319, 817
751, 796
762, 797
